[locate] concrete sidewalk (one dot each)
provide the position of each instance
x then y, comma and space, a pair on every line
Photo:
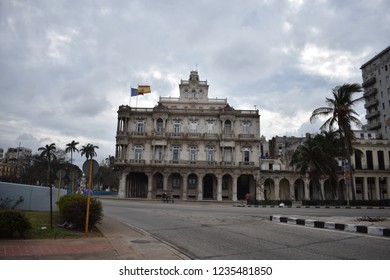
119, 242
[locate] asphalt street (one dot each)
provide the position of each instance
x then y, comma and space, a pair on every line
221, 231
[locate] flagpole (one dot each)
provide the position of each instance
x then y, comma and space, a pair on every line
130, 97
136, 101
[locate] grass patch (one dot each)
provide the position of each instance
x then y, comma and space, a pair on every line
41, 229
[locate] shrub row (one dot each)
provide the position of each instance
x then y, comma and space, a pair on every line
13, 222
73, 209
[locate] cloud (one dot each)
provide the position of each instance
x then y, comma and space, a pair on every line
332, 64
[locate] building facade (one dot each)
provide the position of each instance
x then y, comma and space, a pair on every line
193, 146
376, 84
371, 164
200, 148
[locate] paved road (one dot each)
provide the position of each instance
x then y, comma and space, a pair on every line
220, 231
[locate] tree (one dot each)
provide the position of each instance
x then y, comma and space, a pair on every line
343, 116
71, 147
109, 161
48, 152
313, 158
89, 151
107, 178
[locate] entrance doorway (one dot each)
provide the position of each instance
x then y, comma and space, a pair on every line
208, 187
243, 187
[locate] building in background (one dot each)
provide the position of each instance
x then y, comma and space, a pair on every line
15, 161
376, 84
14, 154
192, 146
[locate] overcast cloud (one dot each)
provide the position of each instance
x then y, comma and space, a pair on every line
66, 66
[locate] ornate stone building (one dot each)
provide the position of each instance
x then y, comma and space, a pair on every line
200, 148
193, 146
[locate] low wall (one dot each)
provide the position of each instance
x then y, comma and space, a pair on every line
36, 198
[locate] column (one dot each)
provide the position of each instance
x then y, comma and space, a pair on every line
199, 187
292, 192
185, 187
365, 189
377, 188
150, 185
219, 187
388, 186
276, 189
234, 188
165, 186
122, 185
126, 128
307, 189
322, 189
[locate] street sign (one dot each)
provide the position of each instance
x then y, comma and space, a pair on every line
95, 167
61, 174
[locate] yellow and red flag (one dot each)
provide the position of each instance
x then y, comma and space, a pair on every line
143, 89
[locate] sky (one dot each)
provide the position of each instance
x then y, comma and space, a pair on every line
67, 66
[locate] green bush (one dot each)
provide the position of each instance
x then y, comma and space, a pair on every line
12, 222
73, 208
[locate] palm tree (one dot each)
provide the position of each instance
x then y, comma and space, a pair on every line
89, 151
109, 161
343, 116
47, 152
71, 147
314, 159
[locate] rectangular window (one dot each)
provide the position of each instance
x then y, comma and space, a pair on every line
138, 152
193, 126
245, 127
210, 127
370, 165
228, 127
140, 126
210, 154
245, 155
159, 153
176, 127
175, 153
193, 153
381, 160
227, 154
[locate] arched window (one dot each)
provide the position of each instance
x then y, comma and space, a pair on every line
192, 181
228, 127
160, 125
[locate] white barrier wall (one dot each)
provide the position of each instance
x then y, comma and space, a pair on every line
36, 198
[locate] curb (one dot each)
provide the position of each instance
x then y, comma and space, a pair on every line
378, 231
316, 207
